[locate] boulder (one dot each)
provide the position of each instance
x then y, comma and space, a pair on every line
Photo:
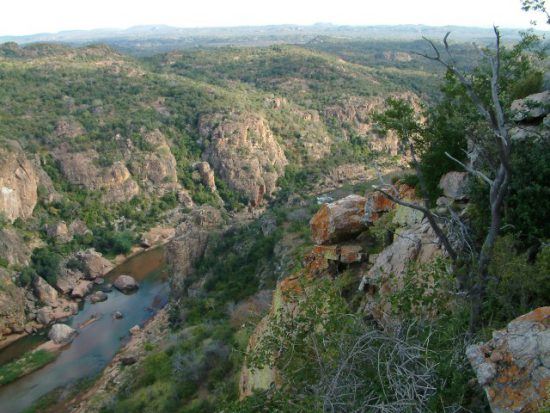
376, 204
407, 217
339, 220
532, 107
107, 288
59, 231
157, 236
117, 315
412, 244
135, 330
44, 316
455, 185
514, 366
62, 334
126, 283
45, 292
18, 182
98, 296
95, 265
81, 289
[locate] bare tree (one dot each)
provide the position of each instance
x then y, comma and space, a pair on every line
402, 118
495, 117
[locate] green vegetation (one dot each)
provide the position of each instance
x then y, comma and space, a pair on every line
26, 364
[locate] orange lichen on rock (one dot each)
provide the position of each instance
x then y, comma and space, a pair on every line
338, 220
514, 367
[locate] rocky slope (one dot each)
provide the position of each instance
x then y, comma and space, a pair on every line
243, 151
18, 183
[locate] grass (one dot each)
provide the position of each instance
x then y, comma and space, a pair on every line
28, 363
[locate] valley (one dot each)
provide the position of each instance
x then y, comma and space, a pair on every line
258, 189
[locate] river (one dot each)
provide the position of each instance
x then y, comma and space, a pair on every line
97, 343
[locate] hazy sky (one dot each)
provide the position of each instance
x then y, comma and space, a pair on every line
34, 16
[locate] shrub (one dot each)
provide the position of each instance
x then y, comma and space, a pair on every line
46, 264
113, 242
517, 286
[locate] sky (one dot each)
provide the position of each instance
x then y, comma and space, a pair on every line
18, 17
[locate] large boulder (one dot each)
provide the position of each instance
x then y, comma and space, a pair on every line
514, 366
59, 231
376, 205
98, 296
338, 220
126, 283
415, 244
94, 264
18, 182
82, 289
243, 151
455, 185
62, 334
45, 292
532, 107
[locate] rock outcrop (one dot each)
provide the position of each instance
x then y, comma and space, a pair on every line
339, 220
125, 284
95, 265
18, 183
12, 306
514, 366
207, 175
59, 231
45, 292
81, 289
155, 168
13, 248
455, 185
82, 169
189, 244
243, 151
531, 108
157, 236
62, 334
357, 113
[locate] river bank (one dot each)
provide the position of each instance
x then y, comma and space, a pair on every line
97, 342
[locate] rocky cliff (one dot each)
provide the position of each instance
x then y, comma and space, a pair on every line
18, 182
243, 151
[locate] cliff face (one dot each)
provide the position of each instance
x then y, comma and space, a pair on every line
189, 244
18, 183
12, 306
341, 230
154, 168
356, 113
243, 151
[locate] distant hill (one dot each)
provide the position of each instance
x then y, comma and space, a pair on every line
159, 38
